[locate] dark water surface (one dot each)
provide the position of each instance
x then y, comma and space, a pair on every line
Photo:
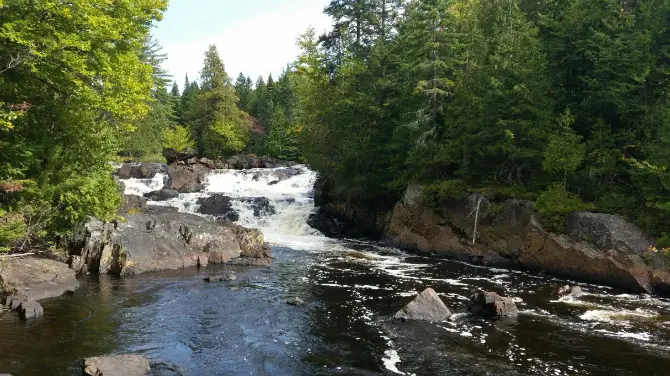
245, 327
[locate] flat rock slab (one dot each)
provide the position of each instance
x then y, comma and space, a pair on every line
119, 365
36, 279
426, 307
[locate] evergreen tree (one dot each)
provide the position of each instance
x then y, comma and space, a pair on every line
188, 100
244, 91
219, 126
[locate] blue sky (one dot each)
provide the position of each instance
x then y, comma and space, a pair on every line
256, 37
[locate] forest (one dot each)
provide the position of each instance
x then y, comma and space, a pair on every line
564, 103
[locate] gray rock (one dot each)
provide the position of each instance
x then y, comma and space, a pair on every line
140, 170
215, 204
30, 309
132, 202
426, 307
36, 279
608, 232
295, 301
186, 178
492, 305
208, 162
119, 365
161, 240
260, 206
173, 156
574, 291
14, 302
162, 195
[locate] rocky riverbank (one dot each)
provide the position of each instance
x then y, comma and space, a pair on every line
143, 238
595, 247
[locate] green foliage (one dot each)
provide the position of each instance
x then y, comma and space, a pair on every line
555, 204
178, 138
508, 97
80, 80
220, 127
12, 229
444, 191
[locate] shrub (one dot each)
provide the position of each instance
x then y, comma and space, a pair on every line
440, 192
178, 139
12, 229
555, 204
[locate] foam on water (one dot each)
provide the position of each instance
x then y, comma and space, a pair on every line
290, 196
141, 186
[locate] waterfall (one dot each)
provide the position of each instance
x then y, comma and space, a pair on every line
289, 192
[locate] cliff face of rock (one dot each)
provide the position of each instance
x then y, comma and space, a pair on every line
595, 247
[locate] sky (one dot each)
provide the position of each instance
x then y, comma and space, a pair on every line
255, 37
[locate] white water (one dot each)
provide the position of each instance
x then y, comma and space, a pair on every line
291, 199
141, 186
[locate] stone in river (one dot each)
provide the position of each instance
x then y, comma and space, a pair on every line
119, 365
295, 301
426, 307
492, 305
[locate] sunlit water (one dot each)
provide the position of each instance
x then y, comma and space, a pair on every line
351, 289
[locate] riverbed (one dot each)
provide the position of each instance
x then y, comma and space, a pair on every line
351, 289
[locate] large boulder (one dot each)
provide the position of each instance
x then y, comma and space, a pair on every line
161, 195
254, 249
426, 307
119, 365
173, 156
187, 178
492, 305
140, 170
35, 278
608, 232
216, 204
157, 239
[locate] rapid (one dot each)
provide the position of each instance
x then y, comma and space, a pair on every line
351, 288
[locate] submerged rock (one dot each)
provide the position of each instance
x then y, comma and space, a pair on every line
261, 206
295, 301
492, 305
118, 365
574, 291
162, 195
30, 309
426, 307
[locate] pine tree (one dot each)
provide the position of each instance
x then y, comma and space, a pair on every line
188, 99
219, 126
244, 91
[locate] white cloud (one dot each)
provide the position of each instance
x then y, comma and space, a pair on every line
258, 46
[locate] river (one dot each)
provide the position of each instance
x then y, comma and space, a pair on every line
351, 289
